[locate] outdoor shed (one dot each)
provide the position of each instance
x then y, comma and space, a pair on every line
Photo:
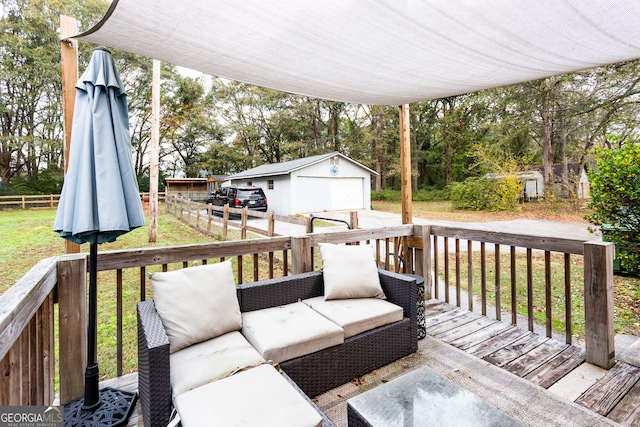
326, 182
193, 188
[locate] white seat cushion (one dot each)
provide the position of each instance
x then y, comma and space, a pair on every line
349, 272
257, 397
196, 303
211, 360
356, 315
289, 331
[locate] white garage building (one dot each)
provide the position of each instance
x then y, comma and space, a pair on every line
327, 182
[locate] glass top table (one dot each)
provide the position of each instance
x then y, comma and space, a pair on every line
424, 398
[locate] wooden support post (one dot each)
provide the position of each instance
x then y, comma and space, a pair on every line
309, 218
301, 255
243, 222
271, 224
598, 303
72, 312
69, 58
154, 155
423, 257
209, 218
353, 220
405, 163
225, 221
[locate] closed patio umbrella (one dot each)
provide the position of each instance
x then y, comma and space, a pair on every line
100, 201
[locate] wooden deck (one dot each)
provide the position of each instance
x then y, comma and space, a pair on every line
538, 359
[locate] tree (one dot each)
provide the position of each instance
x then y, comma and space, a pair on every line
30, 85
615, 198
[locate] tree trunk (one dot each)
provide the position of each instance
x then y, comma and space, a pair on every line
548, 144
334, 120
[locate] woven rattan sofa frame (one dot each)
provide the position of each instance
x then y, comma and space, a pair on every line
313, 374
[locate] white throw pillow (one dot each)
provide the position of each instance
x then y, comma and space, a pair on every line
349, 272
197, 303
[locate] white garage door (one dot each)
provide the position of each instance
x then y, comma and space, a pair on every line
346, 193
314, 195
329, 194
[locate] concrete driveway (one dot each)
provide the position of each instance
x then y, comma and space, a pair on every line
377, 219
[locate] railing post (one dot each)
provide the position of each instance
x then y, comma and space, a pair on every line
243, 222
72, 297
423, 257
271, 224
353, 220
225, 221
301, 255
598, 303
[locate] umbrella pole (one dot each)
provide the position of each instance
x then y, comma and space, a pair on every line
109, 406
91, 375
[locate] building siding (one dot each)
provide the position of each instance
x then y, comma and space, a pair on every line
315, 186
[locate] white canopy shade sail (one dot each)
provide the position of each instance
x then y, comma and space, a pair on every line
386, 52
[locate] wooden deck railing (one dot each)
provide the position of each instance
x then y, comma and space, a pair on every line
216, 219
26, 310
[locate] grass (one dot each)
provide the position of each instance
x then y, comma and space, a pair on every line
443, 210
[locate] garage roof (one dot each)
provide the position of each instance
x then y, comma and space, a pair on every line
388, 52
285, 168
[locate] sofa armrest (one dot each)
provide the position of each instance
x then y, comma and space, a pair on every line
402, 291
154, 382
280, 291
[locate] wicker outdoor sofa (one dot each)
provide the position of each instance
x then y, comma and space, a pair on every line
312, 374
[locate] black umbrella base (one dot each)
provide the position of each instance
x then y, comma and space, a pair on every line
114, 409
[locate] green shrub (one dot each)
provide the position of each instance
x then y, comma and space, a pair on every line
430, 195
507, 193
423, 195
6, 190
387, 195
472, 194
486, 194
615, 199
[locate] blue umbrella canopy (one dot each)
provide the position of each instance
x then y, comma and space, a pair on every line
100, 199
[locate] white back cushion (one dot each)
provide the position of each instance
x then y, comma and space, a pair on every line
196, 303
349, 272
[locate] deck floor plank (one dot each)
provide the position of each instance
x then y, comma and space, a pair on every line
609, 391
497, 342
452, 324
510, 352
481, 336
435, 307
553, 370
535, 358
433, 321
470, 328
627, 412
